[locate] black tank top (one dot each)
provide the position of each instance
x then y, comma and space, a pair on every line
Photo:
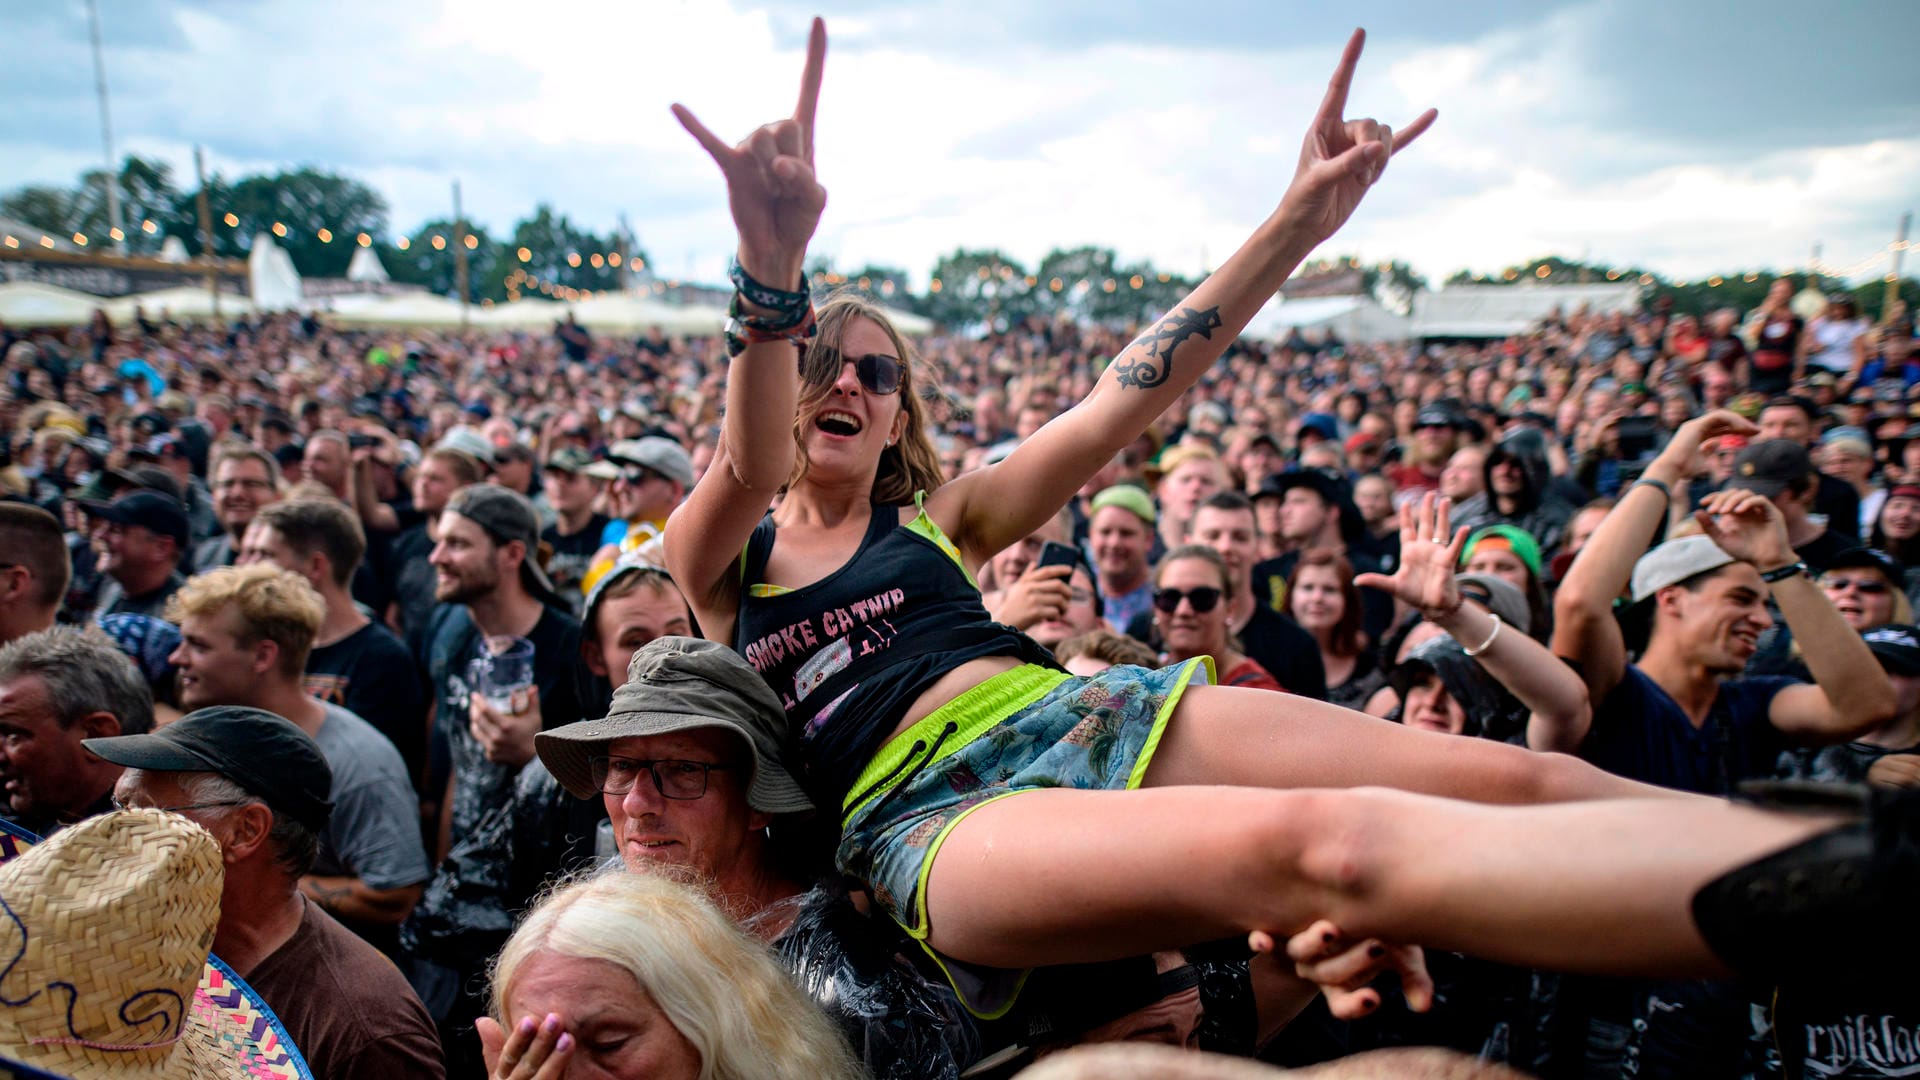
848, 654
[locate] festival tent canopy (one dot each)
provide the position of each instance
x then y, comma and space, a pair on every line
272, 281
529, 314
633, 313
406, 309
1351, 318
30, 303
1494, 311
180, 302
908, 323
366, 266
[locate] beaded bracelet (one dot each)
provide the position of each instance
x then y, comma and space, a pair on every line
742, 331
778, 301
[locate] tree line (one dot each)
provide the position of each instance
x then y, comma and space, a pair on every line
321, 218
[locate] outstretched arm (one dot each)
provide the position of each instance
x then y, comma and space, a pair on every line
776, 202
1429, 552
1339, 160
1583, 627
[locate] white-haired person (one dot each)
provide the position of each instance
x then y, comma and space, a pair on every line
635, 977
1152, 811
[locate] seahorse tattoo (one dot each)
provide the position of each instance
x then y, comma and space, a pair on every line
1145, 373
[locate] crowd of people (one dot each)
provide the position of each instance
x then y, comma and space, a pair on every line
520, 719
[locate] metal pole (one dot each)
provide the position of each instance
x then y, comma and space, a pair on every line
206, 230
1893, 278
460, 254
111, 180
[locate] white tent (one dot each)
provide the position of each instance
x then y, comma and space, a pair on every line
1492, 311
1351, 318
30, 303
180, 302
366, 266
173, 250
528, 314
407, 309
273, 282
908, 323
632, 313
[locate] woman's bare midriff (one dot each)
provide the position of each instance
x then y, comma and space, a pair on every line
952, 685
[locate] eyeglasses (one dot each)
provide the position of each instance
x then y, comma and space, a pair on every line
877, 372
1204, 599
118, 805
1864, 586
672, 779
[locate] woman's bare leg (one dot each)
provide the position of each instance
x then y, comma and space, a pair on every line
1058, 876
1257, 738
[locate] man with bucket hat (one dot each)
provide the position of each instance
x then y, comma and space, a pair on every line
688, 763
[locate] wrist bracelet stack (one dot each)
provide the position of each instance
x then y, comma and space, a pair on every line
790, 319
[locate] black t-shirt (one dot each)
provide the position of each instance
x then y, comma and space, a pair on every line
114, 600
572, 555
371, 674
467, 910
1287, 652
1841, 503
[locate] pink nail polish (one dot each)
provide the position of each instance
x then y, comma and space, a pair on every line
565, 1044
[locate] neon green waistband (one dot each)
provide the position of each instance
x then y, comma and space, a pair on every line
972, 713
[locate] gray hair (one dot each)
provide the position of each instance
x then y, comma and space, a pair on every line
83, 672
295, 846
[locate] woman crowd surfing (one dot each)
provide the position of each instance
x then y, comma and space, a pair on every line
1008, 815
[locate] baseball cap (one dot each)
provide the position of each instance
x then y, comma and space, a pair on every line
1854, 558
507, 516
466, 440
1129, 498
1896, 646
1770, 466
656, 452
1499, 596
679, 684
154, 511
1674, 562
570, 459
1509, 537
263, 752
1436, 415
1849, 435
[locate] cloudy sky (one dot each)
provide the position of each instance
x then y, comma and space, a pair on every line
1691, 137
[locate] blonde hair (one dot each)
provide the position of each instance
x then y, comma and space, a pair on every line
273, 604
910, 465
725, 993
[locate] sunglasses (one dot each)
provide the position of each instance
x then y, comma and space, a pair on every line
1204, 599
1866, 586
878, 373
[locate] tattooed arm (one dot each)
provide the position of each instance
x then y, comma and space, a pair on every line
1339, 159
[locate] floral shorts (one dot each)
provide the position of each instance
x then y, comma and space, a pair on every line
1024, 730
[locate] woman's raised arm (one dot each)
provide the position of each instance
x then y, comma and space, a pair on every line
1339, 160
776, 202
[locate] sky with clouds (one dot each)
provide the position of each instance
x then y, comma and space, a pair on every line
1689, 137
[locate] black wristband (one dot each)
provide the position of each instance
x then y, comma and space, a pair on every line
1659, 485
1782, 573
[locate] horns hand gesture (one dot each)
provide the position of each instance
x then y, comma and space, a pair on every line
771, 188
1341, 158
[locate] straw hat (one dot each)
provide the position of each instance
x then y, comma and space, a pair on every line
104, 972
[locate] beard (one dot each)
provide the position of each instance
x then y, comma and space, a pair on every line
463, 590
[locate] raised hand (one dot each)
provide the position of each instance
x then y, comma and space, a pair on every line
1682, 452
771, 187
1747, 526
1342, 158
1429, 551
